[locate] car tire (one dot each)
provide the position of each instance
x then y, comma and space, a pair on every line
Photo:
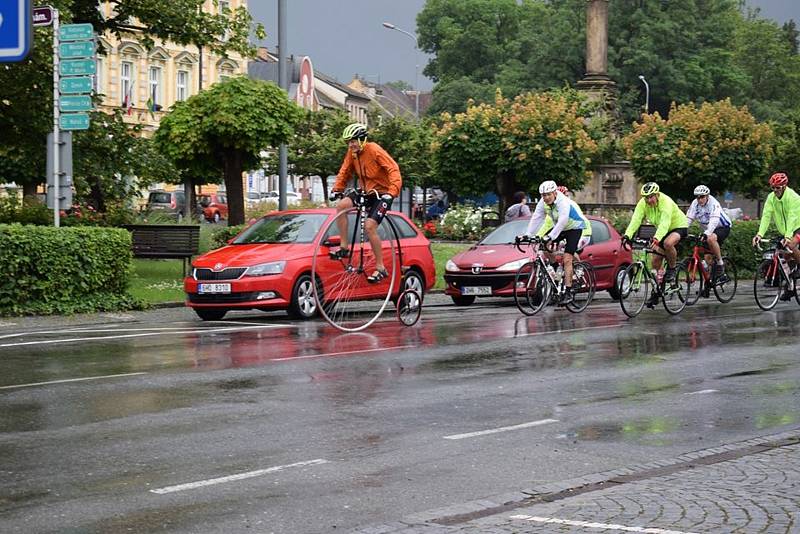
614, 289
302, 304
463, 300
210, 314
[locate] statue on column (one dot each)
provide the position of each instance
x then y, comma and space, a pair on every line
596, 82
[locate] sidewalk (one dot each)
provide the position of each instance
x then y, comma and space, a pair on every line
752, 486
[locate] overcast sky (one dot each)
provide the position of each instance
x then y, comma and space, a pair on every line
345, 37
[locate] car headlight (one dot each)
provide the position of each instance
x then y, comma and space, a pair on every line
513, 265
273, 267
450, 266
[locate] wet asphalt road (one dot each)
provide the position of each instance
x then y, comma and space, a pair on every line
159, 422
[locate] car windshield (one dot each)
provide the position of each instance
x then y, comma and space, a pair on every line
204, 200
505, 234
160, 198
284, 228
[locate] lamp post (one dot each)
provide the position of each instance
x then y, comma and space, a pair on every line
390, 26
646, 94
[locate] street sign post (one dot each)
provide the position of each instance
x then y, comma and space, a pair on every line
76, 32
75, 86
16, 30
43, 16
73, 103
64, 183
74, 121
76, 49
78, 67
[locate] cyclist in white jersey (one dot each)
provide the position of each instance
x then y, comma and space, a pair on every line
569, 225
716, 225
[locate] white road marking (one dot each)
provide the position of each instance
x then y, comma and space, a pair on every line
70, 380
382, 349
605, 526
702, 392
144, 334
501, 429
232, 478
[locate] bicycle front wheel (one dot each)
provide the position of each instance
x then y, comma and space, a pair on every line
409, 307
634, 286
696, 281
675, 295
345, 297
524, 282
583, 283
767, 283
725, 291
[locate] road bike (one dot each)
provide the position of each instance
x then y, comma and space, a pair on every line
638, 282
344, 296
538, 283
702, 280
773, 276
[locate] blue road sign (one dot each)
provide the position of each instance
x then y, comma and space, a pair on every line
16, 30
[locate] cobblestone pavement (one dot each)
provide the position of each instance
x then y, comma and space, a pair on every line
747, 487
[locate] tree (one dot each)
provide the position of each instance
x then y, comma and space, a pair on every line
226, 127
514, 145
454, 96
792, 35
716, 144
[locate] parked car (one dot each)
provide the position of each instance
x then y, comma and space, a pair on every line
268, 265
172, 203
253, 198
488, 268
292, 198
214, 206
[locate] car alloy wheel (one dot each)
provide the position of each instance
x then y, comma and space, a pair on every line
302, 305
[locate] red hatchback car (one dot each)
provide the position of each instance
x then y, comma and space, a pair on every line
268, 265
214, 206
488, 268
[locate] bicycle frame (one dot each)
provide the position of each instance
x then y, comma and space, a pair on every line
696, 262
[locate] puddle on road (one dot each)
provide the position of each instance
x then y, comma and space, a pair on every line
647, 431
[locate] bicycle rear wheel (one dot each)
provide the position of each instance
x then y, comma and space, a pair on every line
583, 283
344, 296
767, 284
676, 294
634, 287
409, 307
725, 291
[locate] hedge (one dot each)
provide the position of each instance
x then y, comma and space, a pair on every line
64, 270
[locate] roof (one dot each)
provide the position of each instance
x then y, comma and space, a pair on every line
340, 86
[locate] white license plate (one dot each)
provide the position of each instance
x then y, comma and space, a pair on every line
213, 288
476, 290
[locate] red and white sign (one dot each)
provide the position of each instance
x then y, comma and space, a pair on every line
305, 88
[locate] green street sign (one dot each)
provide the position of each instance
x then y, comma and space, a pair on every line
77, 67
75, 103
75, 32
75, 86
76, 49
74, 121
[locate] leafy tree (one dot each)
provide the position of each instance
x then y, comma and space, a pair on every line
453, 96
792, 35
227, 126
716, 144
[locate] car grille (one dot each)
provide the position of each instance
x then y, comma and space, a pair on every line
495, 281
226, 298
232, 273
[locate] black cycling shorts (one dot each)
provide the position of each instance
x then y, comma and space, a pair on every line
722, 233
376, 206
572, 237
682, 233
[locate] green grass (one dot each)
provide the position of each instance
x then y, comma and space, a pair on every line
156, 281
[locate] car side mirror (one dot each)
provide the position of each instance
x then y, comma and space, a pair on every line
333, 241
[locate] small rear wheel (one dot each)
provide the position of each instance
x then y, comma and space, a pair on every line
726, 290
634, 288
409, 307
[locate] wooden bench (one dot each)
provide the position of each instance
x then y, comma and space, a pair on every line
168, 241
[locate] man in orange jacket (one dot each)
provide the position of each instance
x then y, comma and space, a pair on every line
377, 174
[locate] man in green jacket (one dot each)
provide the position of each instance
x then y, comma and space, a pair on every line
670, 221
783, 207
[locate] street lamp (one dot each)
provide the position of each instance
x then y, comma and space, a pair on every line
390, 26
646, 94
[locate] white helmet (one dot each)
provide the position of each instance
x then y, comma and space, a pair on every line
548, 186
701, 190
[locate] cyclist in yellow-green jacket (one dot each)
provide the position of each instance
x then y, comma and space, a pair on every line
783, 208
671, 226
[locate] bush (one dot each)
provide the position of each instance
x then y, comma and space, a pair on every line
64, 270
220, 237
29, 211
462, 223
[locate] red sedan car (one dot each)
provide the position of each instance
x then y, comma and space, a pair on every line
268, 265
488, 268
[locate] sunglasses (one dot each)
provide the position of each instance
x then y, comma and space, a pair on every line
778, 187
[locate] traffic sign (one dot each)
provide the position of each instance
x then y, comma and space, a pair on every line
75, 86
16, 30
77, 67
75, 103
43, 16
76, 49
75, 32
74, 121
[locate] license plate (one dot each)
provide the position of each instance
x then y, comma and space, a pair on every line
213, 288
476, 290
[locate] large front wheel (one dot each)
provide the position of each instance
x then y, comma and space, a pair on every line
345, 297
634, 287
767, 283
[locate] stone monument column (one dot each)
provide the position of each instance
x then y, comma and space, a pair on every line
596, 77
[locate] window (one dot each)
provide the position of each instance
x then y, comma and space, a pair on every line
182, 86
403, 228
600, 233
154, 95
126, 77
98, 77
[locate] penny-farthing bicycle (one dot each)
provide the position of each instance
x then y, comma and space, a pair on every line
344, 295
